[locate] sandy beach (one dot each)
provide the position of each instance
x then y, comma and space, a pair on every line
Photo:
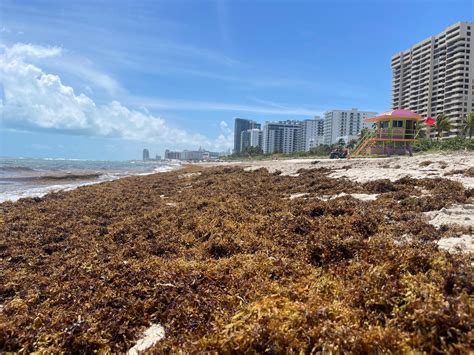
307, 255
453, 166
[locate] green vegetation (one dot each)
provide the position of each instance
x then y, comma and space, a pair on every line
442, 125
468, 126
249, 152
256, 154
449, 144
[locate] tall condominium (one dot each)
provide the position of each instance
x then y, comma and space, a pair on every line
311, 134
437, 75
240, 125
251, 138
344, 124
146, 154
280, 137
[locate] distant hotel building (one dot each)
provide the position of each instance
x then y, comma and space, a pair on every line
280, 137
146, 154
241, 125
344, 124
300, 136
311, 134
437, 75
192, 155
251, 138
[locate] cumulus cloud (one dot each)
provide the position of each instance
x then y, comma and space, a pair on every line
36, 100
225, 140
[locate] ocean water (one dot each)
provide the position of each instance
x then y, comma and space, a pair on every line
28, 177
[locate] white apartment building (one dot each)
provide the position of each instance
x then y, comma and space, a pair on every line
345, 124
251, 138
311, 134
437, 75
280, 137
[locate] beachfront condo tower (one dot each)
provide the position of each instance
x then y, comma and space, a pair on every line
280, 137
344, 124
311, 134
241, 125
251, 138
436, 75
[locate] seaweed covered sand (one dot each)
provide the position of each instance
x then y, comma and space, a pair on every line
232, 260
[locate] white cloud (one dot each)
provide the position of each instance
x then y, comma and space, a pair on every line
36, 100
24, 51
190, 105
225, 140
85, 72
224, 127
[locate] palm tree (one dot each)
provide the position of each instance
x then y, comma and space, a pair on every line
420, 130
469, 124
442, 124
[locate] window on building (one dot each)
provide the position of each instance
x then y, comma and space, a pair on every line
397, 124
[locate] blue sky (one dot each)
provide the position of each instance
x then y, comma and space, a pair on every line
104, 79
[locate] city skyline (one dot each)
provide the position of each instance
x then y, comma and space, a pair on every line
162, 77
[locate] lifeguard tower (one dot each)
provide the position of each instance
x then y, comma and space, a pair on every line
393, 132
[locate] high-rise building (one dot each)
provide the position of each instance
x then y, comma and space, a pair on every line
240, 125
191, 155
146, 154
280, 137
344, 124
311, 134
251, 138
437, 75
172, 155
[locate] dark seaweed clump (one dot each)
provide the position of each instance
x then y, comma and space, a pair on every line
226, 261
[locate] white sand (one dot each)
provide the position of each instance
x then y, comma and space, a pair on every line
462, 215
150, 337
366, 169
464, 243
298, 195
362, 197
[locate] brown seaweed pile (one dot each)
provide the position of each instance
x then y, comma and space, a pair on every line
226, 261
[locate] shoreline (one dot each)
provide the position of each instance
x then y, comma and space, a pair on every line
235, 257
39, 184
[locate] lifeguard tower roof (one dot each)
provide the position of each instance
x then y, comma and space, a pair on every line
395, 115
